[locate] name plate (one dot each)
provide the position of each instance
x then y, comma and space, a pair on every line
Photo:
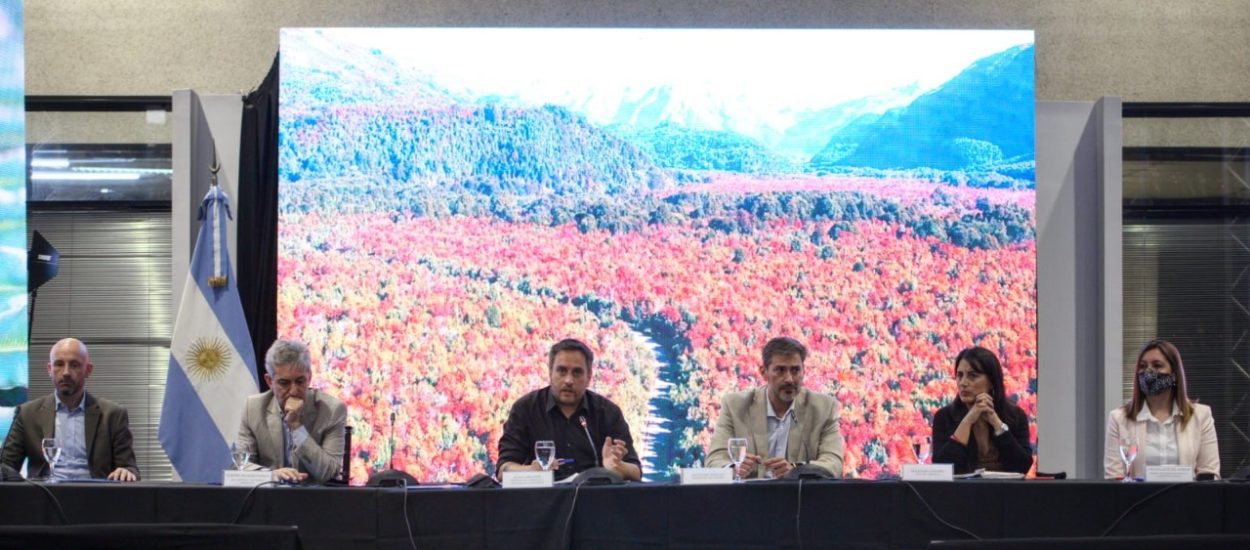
245, 478
707, 476
1169, 474
928, 472
526, 479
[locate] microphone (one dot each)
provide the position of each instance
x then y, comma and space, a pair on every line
807, 457
582, 420
391, 465
804, 470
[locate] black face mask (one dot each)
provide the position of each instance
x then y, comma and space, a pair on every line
1154, 383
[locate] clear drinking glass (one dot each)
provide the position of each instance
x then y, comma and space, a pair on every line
737, 454
51, 454
545, 453
922, 446
238, 456
1128, 453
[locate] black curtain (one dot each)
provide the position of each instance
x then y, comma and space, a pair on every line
258, 215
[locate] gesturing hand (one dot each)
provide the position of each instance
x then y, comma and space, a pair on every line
613, 452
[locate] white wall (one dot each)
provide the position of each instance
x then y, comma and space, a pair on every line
1086, 49
224, 116
1079, 281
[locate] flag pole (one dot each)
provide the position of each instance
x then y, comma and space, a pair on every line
216, 167
218, 278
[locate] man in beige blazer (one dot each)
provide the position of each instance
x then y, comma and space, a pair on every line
292, 429
94, 433
784, 423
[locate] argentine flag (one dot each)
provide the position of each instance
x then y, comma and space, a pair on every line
212, 365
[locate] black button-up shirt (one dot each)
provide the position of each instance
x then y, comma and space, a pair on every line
536, 417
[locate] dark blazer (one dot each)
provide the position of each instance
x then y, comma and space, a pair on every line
107, 426
1014, 449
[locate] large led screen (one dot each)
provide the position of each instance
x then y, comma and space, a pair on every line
14, 367
455, 200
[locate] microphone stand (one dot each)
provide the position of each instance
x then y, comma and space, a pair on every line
391, 466
807, 456
593, 449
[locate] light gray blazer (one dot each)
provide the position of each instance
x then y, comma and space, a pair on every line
816, 440
321, 455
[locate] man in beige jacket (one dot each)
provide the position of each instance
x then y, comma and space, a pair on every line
785, 424
292, 429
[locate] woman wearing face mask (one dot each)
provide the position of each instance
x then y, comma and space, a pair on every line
981, 428
1166, 427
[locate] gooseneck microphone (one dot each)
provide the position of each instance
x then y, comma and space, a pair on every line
582, 420
391, 464
807, 457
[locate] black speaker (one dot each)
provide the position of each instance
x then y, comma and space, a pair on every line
7, 473
597, 476
481, 481
42, 262
807, 471
391, 478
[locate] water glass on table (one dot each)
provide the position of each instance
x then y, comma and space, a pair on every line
239, 456
1128, 453
51, 454
922, 447
737, 454
545, 453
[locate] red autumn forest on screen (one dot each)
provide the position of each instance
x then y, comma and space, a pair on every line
444, 318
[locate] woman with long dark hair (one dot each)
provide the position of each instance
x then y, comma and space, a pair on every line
1160, 425
981, 428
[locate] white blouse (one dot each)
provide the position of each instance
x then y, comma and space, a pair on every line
1160, 447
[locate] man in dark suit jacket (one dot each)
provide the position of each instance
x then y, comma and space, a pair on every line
94, 433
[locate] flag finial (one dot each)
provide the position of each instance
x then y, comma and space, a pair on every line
216, 167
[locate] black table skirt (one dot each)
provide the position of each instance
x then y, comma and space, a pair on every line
827, 514
157, 536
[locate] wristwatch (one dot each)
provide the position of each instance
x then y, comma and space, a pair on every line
1002, 429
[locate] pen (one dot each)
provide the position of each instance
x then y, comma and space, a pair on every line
565, 461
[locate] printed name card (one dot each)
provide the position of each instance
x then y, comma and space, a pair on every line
245, 478
526, 479
928, 472
707, 476
1169, 474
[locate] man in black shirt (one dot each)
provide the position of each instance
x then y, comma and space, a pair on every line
574, 418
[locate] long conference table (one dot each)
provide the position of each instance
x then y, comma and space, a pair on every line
774, 514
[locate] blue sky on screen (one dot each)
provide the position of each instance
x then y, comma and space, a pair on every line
820, 68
